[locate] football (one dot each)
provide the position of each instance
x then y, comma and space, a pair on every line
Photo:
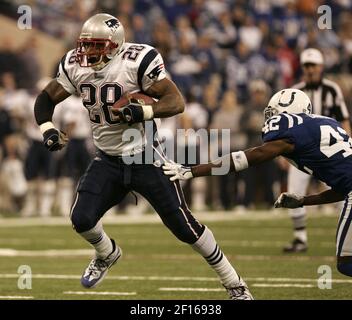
141, 97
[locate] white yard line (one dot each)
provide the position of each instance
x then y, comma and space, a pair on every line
100, 293
5, 252
205, 216
121, 278
16, 297
193, 289
42, 276
282, 285
157, 243
168, 278
8, 252
267, 243
154, 218
262, 285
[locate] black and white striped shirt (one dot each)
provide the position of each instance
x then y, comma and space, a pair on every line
326, 98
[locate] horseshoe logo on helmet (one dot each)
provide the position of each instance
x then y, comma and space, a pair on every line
289, 103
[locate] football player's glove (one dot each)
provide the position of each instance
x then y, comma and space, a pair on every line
289, 200
54, 139
177, 171
134, 112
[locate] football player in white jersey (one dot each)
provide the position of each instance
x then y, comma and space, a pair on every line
102, 68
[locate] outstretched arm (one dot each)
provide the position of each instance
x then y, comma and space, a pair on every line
237, 160
290, 200
253, 156
328, 196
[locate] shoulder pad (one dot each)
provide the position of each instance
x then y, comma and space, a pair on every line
278, 127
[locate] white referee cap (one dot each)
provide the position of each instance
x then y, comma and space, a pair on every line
312, 55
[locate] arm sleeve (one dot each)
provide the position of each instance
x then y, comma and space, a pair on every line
151, 69
43, 108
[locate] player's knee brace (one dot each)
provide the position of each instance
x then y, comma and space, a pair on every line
344, 265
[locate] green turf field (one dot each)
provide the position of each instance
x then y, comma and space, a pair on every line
157, 266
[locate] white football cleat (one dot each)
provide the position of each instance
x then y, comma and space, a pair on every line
98, 268
240, 292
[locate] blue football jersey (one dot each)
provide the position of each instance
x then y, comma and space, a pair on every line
322, 148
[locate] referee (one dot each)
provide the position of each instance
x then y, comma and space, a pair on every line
327, 100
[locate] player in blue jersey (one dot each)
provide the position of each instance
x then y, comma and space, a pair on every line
314, 144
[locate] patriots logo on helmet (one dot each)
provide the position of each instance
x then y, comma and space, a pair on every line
155, 72
112, 23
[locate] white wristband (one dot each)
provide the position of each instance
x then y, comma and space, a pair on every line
46, 126
188, 174
148, 112
240, 160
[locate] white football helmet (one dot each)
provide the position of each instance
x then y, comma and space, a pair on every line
289, 101
102, 36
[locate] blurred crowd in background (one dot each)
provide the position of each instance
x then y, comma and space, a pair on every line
227, 57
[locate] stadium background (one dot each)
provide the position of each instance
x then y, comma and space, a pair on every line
227, 57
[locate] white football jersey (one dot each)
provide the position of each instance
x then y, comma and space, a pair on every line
136, 68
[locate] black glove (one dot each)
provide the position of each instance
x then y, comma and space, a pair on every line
131, 113
54, 139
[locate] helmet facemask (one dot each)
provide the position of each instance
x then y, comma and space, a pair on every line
91, 52
269, 112
308, 110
